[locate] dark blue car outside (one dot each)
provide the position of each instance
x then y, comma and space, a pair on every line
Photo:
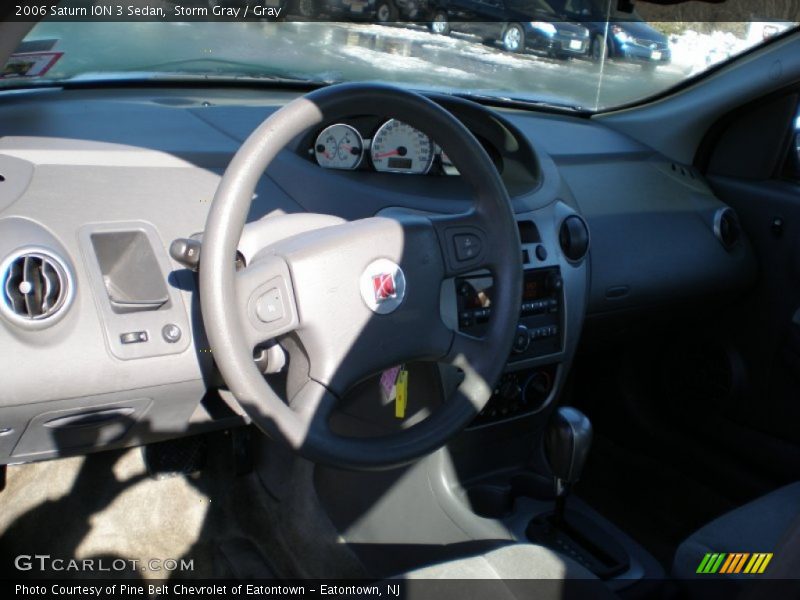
518, 25
616, 34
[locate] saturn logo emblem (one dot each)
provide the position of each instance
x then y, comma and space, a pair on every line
383, 286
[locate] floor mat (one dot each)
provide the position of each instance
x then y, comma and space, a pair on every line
653, 502
106, 507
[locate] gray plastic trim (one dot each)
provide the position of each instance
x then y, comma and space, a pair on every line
17, 175
158, 412
116, 324
85, 428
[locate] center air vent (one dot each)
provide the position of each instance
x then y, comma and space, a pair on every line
35, 287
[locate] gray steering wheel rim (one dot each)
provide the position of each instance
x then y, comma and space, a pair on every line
226, 220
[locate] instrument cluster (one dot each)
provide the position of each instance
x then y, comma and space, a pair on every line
395, 147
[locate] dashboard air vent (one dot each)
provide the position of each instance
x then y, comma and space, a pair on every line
574, 238
35, 287
726, 227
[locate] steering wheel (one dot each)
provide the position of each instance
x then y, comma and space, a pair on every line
350, 299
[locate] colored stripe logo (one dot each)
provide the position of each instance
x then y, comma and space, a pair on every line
731, 563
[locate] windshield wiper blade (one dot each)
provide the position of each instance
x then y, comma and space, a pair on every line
515, 102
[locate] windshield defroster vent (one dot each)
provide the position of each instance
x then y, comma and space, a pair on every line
36, 287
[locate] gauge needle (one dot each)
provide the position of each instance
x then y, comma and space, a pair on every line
389, 153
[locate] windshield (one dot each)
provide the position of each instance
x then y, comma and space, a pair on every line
565, 53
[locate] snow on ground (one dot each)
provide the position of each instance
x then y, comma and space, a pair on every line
419, 34
391, 62
498, 57
694, 52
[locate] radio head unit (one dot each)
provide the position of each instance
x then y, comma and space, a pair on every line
539, 332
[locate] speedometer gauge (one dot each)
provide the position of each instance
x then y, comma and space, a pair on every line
339, 147
399, 148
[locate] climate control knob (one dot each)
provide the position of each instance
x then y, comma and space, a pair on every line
522, 339
510, 389
537, 389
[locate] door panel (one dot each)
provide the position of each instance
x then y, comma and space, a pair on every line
770, 215
766, 323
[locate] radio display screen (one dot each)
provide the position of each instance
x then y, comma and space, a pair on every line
476, 292
533, 285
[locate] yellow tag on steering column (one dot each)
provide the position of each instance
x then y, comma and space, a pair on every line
401, 394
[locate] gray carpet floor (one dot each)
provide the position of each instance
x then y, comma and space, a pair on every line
106, 506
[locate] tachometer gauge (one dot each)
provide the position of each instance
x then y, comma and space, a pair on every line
397, 147
339, 147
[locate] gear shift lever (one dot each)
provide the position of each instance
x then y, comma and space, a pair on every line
566, 444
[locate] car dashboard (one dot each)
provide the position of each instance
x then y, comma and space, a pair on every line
96, 184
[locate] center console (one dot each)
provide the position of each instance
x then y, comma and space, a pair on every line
540, 333
554, 246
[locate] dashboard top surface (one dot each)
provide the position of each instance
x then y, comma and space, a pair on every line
188, 122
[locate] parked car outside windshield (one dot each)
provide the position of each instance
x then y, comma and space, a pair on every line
615, 34
505, 57
517, 25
